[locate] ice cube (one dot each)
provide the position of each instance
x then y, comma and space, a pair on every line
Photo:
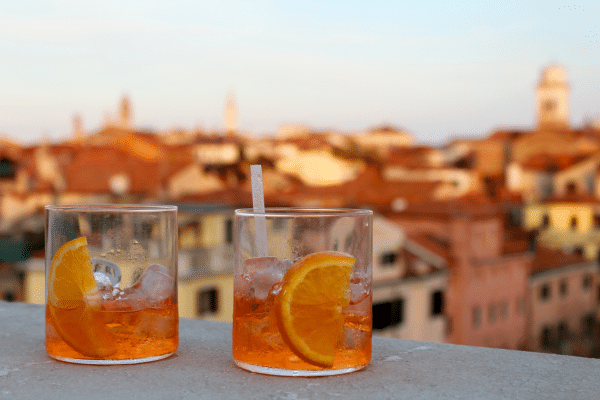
263, 281
359, 288
354, 338
287, 264
102, 279
156, 283
126, 300
358, 292
106, 273
110, 293
157, 326
269, 333
261, 274
252, 265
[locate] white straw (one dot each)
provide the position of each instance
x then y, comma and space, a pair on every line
258, 203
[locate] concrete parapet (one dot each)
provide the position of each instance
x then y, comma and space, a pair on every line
203, 368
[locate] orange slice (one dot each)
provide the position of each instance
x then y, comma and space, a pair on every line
74, 301
309, 306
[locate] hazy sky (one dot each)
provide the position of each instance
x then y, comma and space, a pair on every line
439, 69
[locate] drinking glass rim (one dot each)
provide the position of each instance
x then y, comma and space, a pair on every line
115, 208
275, 212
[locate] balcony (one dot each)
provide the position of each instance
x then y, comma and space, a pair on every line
203, 368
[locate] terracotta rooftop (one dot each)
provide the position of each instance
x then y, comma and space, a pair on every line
410, 157
547, 259
508, 135
92, 169
437, 245
473, 203
10, 149
516, 240
553, 162
236, 196
387, 129
369, 189
309, 141
216, 139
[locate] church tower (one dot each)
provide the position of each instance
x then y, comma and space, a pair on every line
231, 117
77, 129
125, 114
553, 99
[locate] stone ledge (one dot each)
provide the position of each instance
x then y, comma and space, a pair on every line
203, 368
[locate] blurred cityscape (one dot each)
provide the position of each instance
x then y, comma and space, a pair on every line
493, 241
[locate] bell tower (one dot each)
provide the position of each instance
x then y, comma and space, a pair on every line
77, 128
231, 117
125, 113
553, 99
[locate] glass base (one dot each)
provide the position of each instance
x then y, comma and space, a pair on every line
294, 372
111, 362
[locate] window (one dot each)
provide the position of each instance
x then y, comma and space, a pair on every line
573, 223
545, 221
208, 301
7, 168
437, 303
546, 338
563, 333
514, 215
476, 317
492, 313
387, 260
504, 310
297, 232
347, 247
545, 292
549, 105
143, 230
9, 296
229, 231
563, 287
490, 186
571, 188
348, 244
587, 281
105, 222
388, 314
588, 324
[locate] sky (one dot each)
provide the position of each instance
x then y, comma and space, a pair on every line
437, 69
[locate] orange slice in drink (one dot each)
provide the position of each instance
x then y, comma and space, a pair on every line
309, 306
75, 301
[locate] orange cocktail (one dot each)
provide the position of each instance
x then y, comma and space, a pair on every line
309, 315
128, 333
100, 311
